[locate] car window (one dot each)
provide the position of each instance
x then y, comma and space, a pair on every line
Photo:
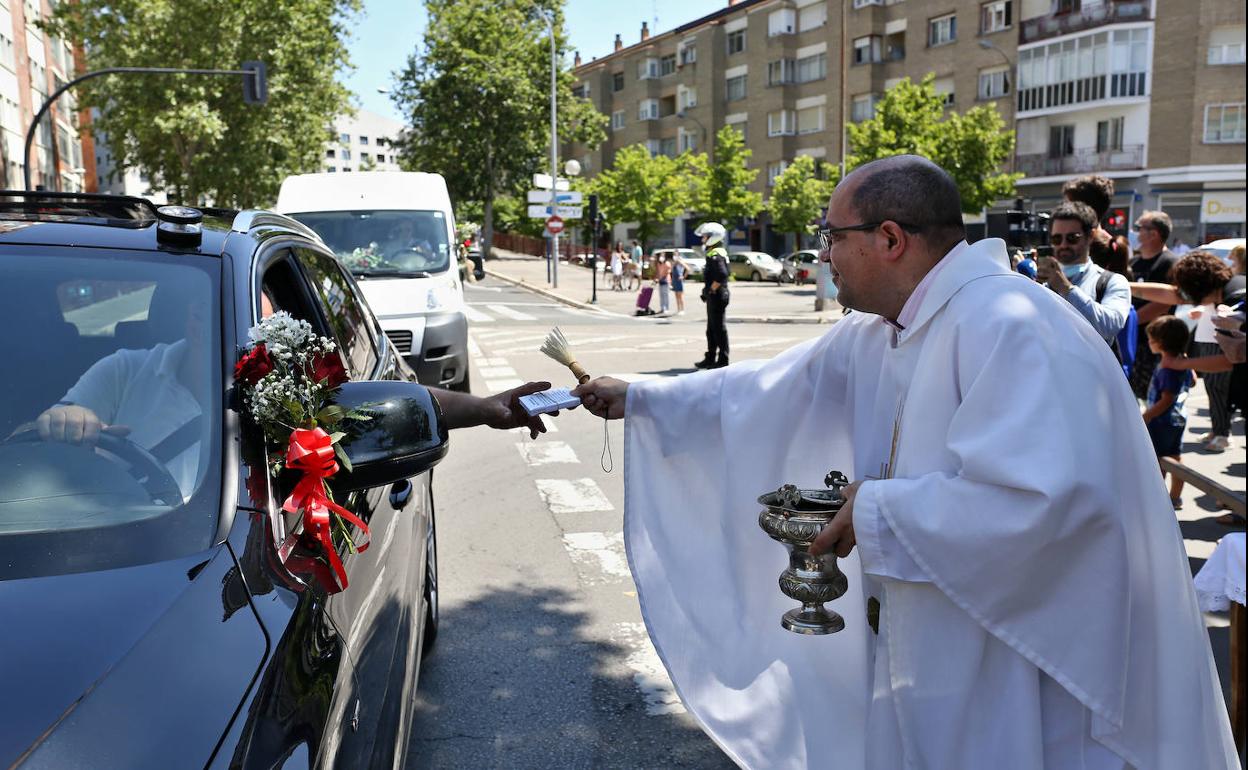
390, 243
127, 342
347, 314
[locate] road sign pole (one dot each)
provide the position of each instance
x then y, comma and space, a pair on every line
554, 153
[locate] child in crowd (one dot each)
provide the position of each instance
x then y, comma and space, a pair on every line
1167, 392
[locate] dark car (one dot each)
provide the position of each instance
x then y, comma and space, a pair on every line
149, 620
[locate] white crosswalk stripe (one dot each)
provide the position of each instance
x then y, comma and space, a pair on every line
476, 316
599, 552
496, 372
498, 386
573, 495
648, 672
507, 312
547, 452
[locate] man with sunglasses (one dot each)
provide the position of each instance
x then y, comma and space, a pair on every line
1102, 297
1006, 522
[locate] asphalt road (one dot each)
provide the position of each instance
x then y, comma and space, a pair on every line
543, 660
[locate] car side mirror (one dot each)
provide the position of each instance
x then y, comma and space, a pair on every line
405, 436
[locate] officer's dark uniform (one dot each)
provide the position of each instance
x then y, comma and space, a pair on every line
716, 303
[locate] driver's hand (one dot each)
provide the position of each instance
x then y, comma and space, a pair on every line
74, 424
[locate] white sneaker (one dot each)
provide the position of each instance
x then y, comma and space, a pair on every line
1217, 444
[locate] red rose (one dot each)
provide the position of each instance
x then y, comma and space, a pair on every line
327, 369
252, 367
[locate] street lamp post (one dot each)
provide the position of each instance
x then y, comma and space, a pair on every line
255, 91
554, 152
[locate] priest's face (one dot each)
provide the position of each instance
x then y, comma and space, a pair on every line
851, 254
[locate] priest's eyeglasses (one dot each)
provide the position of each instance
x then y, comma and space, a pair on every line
826, 233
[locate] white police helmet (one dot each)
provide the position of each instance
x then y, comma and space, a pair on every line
713, 232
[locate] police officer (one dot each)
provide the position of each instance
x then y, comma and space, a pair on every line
714, 294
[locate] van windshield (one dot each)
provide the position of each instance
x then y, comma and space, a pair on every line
400, 244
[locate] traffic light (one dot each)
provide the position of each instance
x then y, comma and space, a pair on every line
593, 210
255, 83
1116, 220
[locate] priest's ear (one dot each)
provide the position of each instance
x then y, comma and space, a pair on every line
894, 239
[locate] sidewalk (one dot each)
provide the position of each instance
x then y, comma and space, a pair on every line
751, 302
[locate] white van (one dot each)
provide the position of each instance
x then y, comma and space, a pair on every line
395, 232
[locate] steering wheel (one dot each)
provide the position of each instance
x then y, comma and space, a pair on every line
141, 464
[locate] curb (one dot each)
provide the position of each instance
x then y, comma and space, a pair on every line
523, 284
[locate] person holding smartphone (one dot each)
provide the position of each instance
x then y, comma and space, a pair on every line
1102, 297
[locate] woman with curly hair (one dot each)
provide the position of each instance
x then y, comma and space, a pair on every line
1201, 279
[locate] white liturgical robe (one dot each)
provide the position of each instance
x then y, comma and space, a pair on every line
1037, 608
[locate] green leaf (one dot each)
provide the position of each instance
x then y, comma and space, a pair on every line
336, 436
331, 414
295, 409
343, 460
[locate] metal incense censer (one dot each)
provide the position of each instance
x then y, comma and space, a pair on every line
794, 518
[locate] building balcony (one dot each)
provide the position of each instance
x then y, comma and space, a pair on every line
1086, 160
1073, 93
1111, 12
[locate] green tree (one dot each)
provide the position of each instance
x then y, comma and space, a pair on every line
192, 134
971, 146
726, 196
651, 191
797, 196
477, 94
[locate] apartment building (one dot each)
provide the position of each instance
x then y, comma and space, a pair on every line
1089, 85
364, 141
32, 65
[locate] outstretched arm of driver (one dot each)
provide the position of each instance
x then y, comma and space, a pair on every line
502, 410
70, 423
603, 397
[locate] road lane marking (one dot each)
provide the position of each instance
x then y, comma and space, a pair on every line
498, 386
476, 316
573, 495
474, 349
551, 427
507, 312
599, 552
648, 672
547, 452
496, 372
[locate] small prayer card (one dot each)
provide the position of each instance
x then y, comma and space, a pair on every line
549, 401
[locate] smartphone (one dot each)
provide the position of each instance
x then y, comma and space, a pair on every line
1044, 251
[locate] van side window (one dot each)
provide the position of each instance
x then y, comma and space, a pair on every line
345, 312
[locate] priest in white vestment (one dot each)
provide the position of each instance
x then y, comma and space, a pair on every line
1036, 602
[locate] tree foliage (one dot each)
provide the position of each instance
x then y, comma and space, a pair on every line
971, 146
726, 196
651, 191
192, 134
477, 95
797, 196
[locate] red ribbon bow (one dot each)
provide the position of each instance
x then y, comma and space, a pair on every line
312, 451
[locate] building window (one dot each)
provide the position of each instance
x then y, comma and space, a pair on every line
867, 49
667, 146
1226, 45
1090, 68
344, 139
686, 97
779, 72
346, 154
774, 170
736, 89
863, 107
652, 147
1061, 141
363, 139
995, 16
667, 64
688, 54
782, 22
332, 169
865, 3
617, 120
942, 30
617, 81
781, 123
812, 68
994, 83
812, 17
1224, 123
1109, 135
741, 128
736, 42
6, 52
810, 120
647, 69
648, 109
330, 153
364, 157
688, 141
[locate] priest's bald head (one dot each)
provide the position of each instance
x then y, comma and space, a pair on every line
888, 223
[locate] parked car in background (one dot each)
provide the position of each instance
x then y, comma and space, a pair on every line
395, 232
692, 259
151, 621
1222, 248
799, 266
754, 266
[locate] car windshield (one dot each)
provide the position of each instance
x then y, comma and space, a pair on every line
372, 244
123, 348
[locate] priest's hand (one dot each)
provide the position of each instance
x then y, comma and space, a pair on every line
603, 397
838, 535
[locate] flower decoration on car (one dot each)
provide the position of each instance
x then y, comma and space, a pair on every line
288, 378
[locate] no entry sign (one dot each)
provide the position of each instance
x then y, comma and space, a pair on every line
554, 225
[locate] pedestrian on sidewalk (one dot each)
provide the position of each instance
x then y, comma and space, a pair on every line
617, 267
662, 276
1166, 415
632, 271
714, 294
679, 270
638, 258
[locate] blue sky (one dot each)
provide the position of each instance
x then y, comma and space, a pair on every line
386, 31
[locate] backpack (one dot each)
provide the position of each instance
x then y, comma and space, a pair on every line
1125, 343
